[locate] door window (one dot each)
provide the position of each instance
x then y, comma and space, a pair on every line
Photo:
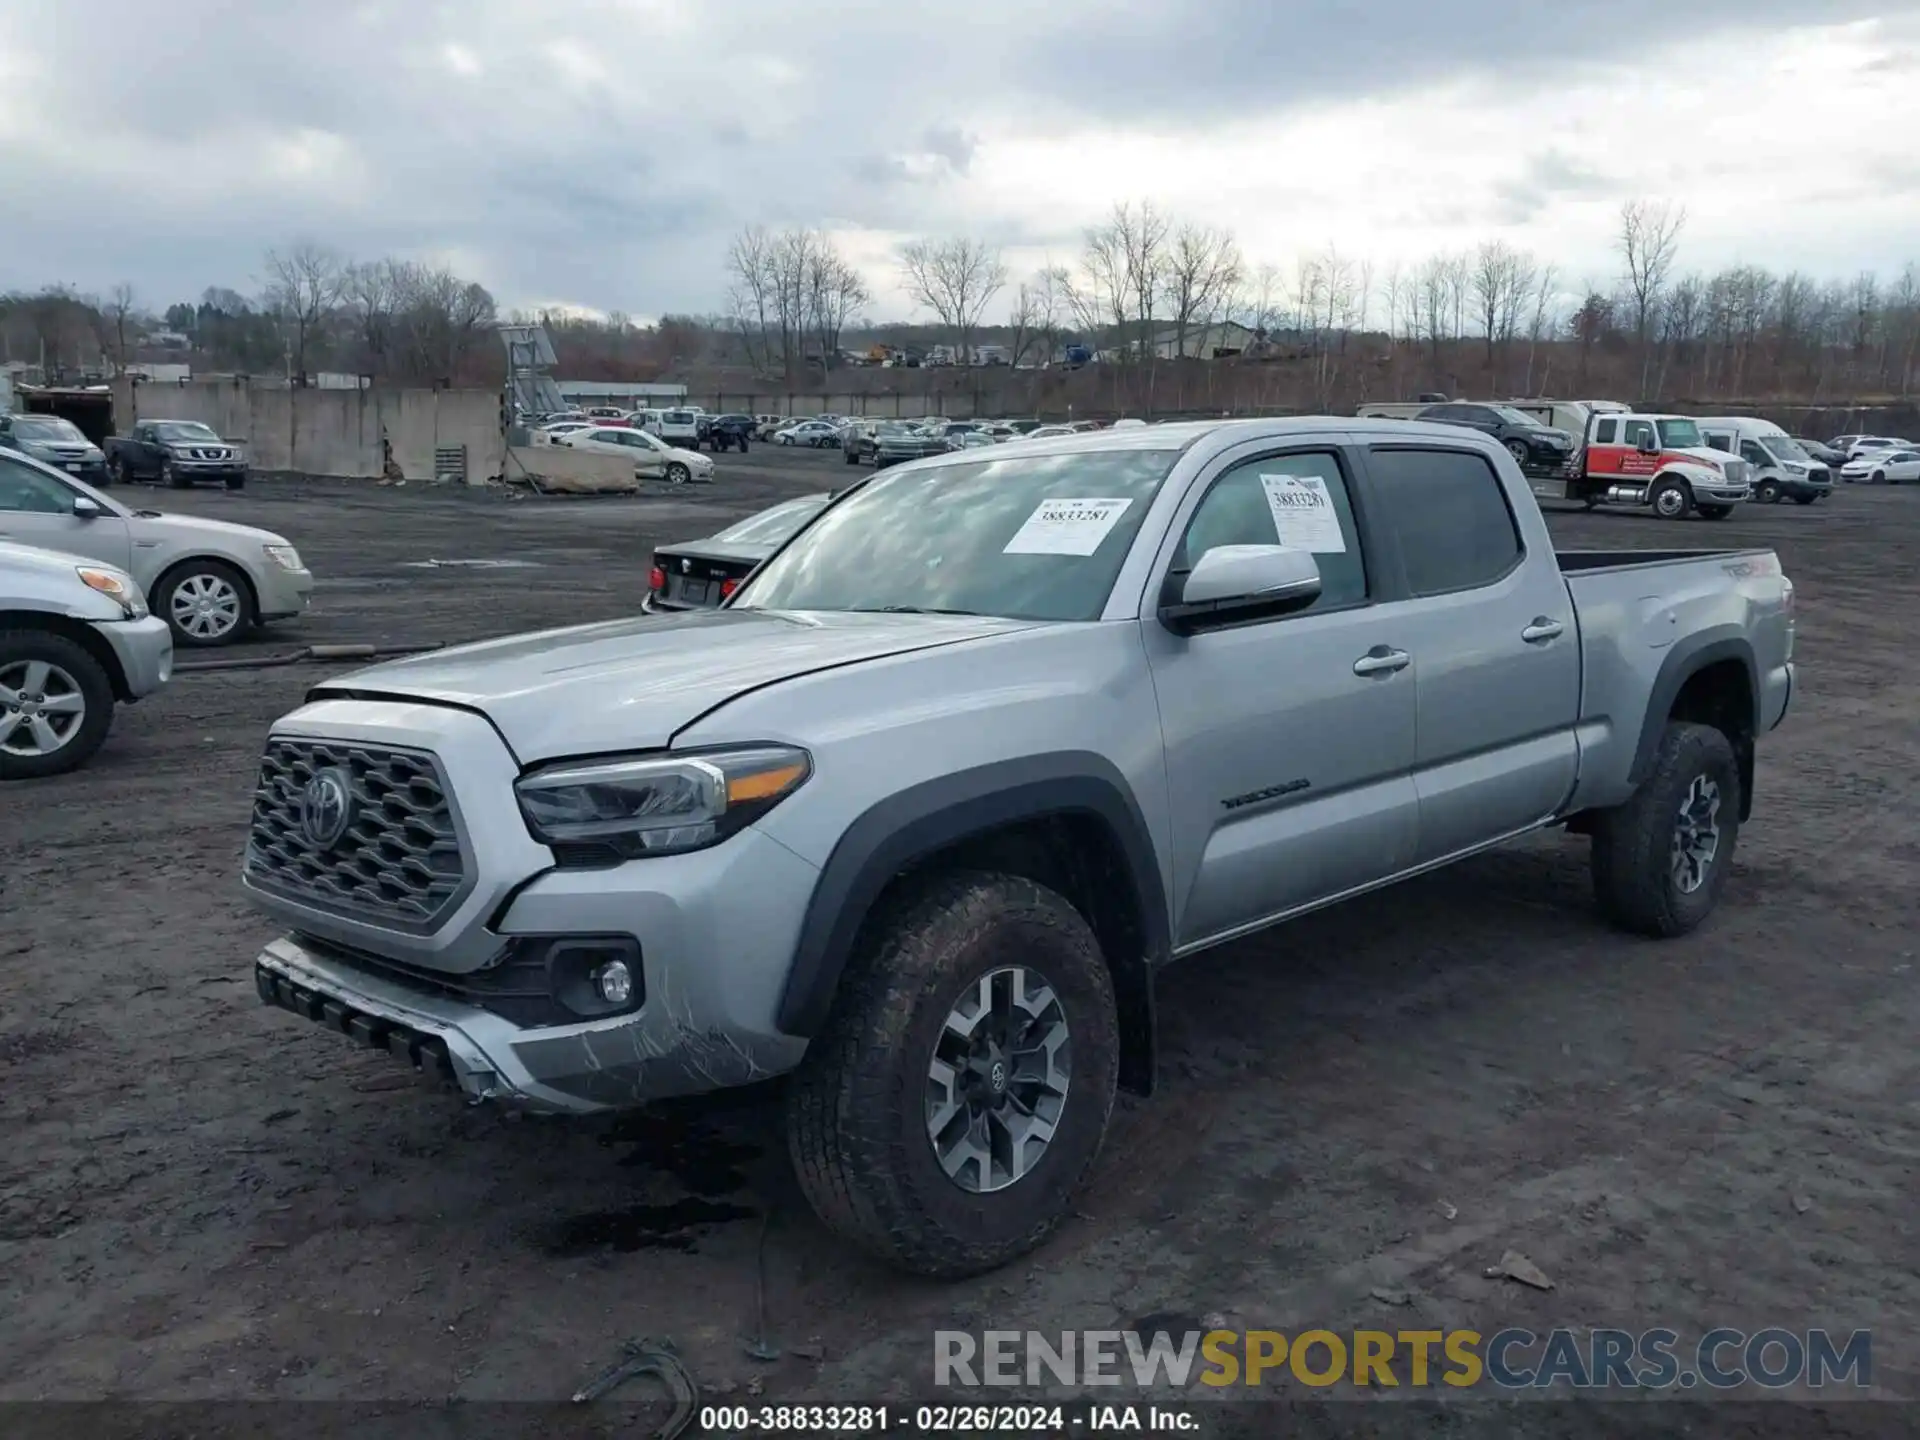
1754, 455
1449, 513
1638, 432
24, 490
1306, 495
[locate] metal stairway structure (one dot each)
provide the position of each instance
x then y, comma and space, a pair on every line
531, 388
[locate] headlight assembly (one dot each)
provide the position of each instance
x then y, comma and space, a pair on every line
285, 556
605, 811
116, 587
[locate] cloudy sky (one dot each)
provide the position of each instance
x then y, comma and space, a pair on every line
600, 153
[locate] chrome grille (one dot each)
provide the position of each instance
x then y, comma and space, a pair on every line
399, 864
1736, 471
209, 453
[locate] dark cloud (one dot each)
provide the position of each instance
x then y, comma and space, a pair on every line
603, 151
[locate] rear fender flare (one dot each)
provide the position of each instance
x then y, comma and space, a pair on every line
1687, 659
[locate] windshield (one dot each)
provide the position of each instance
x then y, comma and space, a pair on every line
1680, 435
1029, 537
48, 427
677, 417
770, 527
184, 430
1785, 449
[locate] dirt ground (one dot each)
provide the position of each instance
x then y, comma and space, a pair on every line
201, 1198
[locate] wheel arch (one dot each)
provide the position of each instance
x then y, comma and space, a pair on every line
1713, 680
1066, 820
173, 567
78, 631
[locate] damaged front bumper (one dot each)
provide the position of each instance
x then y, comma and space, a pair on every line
654, 1053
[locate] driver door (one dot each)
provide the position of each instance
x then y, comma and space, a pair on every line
36, 508
648, 459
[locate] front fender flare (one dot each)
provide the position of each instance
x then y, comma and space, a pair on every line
903, 829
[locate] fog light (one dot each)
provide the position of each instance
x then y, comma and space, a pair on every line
613, 982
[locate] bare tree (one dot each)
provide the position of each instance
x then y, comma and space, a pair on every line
1648, 241
304, 284
1203, 268
1543, 319
372, 293
835, 293
956, 280
119, 311
750, 293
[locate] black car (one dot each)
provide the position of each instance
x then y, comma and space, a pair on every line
175, 453
892, 442
1539, 449
701, 574
725, 432
1825, 454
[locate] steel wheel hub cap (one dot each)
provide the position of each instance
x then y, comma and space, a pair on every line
998, 1080
41, 708
1696, 835
205, 606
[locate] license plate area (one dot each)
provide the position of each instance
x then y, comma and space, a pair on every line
694, 592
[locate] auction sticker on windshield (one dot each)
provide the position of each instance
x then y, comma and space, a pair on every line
1067, 527
1303, 514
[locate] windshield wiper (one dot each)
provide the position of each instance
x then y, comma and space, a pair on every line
907, 610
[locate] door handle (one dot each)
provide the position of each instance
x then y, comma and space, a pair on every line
1381, 660
1543, 629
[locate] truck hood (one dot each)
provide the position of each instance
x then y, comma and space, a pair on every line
633, 684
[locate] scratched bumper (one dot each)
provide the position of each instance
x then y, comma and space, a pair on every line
577, 1070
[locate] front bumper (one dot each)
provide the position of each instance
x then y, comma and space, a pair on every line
210, 469
93, 472
283, 594
1723, 494
144, 649
716, 931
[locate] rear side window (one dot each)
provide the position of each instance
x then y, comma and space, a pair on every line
1719, 441
1450, 515
1603, 432
1251, 503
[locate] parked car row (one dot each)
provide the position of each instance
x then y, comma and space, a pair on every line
175, 453
95, 597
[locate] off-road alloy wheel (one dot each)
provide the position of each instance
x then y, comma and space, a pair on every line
1661, 860
56, 704
1671, 500
951, 1107
205, 602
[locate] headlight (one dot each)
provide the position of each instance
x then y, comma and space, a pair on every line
285, 556
659, 805
1795, 469
116, 587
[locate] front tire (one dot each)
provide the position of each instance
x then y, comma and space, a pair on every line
117, 472
236, 482
1672, 500
678, 474
955, 1102
1521, 455
1715, 512
1805, 499
206, 602
56, 704
1661, 859
1768, 492
172, 478
1879, 477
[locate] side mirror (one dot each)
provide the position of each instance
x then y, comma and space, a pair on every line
1648, 445
86, 509
1232, 583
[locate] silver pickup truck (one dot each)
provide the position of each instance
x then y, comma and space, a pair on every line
923, 811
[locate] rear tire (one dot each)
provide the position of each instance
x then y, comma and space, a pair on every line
1661, 859
864, 1114
1714, 512
63, 675
1805, 499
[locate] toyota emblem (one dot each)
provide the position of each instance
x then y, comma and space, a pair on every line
326, 809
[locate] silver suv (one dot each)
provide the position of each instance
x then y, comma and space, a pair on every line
75, 637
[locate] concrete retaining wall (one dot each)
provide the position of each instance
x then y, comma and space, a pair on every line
571, 472
331, 432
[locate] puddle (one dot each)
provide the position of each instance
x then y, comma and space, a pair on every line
677, 1225
693, 1152
471, 564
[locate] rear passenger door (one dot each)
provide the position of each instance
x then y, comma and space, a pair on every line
1289, 740
1496, 654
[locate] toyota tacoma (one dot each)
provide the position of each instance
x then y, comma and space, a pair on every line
919, 815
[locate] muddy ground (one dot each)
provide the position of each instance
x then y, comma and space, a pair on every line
204, 1199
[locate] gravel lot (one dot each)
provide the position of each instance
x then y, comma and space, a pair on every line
202, 1198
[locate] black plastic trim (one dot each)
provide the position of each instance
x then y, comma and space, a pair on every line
903, 828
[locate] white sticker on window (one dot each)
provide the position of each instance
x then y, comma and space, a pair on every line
1067, 527
1303, 514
